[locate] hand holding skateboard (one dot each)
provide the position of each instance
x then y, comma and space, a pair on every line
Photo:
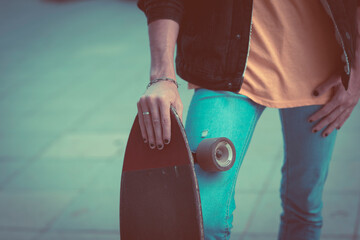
154, 113
159, 196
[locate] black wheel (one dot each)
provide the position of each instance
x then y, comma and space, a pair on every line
216, 154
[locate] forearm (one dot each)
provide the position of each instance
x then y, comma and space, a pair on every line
164, 19
163, 34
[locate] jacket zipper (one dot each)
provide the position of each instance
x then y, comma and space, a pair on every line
248, 50
341, 40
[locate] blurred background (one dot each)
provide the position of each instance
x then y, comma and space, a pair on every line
71, 73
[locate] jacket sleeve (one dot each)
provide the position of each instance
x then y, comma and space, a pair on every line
162, 9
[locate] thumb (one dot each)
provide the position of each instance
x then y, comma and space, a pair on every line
326, 85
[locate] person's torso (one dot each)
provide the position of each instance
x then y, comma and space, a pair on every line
292, 51
213, 40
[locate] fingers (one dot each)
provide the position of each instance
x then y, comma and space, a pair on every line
326, 85
329, 120
142, 122
156, 126
147, 120
341, 120
338, 122
324, 111
165, 121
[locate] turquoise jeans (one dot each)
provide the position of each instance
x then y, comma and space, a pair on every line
306, 161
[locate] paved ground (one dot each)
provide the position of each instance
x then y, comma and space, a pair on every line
70, 76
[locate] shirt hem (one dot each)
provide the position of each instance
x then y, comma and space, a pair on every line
286, 104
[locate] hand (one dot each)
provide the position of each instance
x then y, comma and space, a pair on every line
334, 113
156, 126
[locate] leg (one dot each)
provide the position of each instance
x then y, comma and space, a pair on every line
221, 114
307, 156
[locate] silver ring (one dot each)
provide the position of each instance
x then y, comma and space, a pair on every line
146, 113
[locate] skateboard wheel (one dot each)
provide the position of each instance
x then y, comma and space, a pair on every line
216, 154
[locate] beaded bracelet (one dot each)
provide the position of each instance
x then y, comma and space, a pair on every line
162, 79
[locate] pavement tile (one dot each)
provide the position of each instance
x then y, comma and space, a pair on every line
235, 236
358, 220
269, 236
337, 237
91, 211
75, 99
42, 124
346, 146
261, 158
340, 213
267, 216
17, 235
22, 145
8, 168
343, 177
22, 102
78, 236
267, 137
260, 236
254, 174
32, 209
352, 125
108, 177
49, 175
109, 122
275, 181
245, 205
86, 145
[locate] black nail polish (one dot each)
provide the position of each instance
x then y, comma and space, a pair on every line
315, 93
338, 128
160, 146
145, 141
152, 145
166, 141
326, 134
310, 120
315, 131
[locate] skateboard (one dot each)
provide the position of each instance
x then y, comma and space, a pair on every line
159, 195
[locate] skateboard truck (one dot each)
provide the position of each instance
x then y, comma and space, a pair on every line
215, 154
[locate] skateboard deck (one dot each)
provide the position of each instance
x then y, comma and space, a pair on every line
159, 195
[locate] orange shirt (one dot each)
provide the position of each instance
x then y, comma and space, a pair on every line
292, 50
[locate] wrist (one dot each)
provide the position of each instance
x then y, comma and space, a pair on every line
162, 73
163, 79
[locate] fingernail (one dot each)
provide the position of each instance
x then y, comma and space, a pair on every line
160, 146
152, 145
166, 141
314, 131
145, 141
310, 120
315, 93
325, 134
